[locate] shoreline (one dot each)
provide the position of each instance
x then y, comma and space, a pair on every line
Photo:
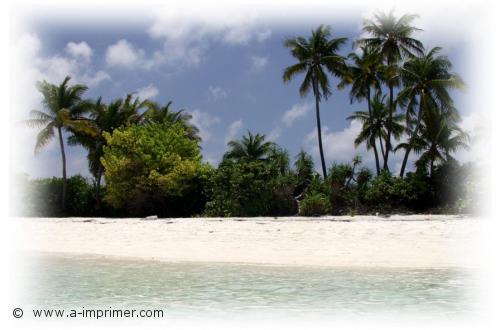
367, 217
410, 241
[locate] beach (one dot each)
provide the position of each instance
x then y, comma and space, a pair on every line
419, 241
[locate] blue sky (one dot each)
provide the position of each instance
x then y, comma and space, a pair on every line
227, 72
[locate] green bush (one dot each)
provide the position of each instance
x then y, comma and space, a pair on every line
42, 197
391, 194
240, 189
250, 188
314, 204
154, 169
283, 201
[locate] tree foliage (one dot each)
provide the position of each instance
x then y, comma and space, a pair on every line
146, 161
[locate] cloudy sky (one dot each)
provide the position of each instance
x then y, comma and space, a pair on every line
225, 69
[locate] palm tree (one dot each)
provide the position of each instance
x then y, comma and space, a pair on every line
316, 54
62, 109
250, 148
391, 36
427, 81
166, 116
134, 109
438, 138
362, 76
374, 127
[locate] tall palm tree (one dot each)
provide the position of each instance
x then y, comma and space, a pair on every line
392, 37
427, 81
250, 148
438, 138
166, 116
315, 55
374, 127
62, 109
365, 74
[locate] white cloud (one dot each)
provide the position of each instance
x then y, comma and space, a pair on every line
187, 34
93, 79
477, 127
274, 134
27, 47
264, 35
123, 54
204, 121
147, 92
297, 111
338, 146
233, 129
79, 50
31, 67
54, 69
238, 35
217, 93
258, 62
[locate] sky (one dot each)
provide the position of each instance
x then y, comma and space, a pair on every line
224, 68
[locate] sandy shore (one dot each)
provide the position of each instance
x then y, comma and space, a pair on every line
400, 241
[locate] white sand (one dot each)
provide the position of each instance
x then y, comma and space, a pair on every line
405, 241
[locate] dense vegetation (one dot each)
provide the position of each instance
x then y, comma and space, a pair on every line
150, 157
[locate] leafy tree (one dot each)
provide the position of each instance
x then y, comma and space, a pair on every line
347, 183
253, 179
151, 162
63, 105
427, 81
315, 55
392, 38
240, 189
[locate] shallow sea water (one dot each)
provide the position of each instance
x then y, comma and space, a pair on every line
224, 289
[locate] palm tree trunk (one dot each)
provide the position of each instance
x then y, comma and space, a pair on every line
318, 124
382, 151
388, 146
63, 155
413, 136
98, 188
372, 140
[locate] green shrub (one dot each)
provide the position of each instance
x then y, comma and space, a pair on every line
391, 194
314, 204
283, 201
240, 189
42, 197
154, 169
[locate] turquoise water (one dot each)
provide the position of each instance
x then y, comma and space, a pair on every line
218, 289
